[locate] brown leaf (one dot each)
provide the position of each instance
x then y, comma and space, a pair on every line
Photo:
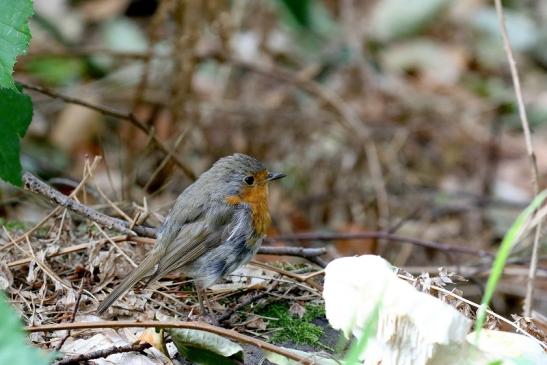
297, 310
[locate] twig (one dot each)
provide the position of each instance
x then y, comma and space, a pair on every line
32, 183
57, 209
171, 324
42, 265
131, 118
71, 249
103, 353
314, 236
308, 253
297, 277
73, 316
291, 251
530, 149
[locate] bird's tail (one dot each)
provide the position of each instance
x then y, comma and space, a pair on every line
140, 272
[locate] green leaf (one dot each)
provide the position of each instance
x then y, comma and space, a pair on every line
507, 244
300, 11
15, 117
14, 36
56, 70
205, 348
14, 349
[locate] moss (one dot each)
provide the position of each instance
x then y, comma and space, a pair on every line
290, 327
13, 225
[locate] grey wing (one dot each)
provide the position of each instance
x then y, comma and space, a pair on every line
239, 245
191, 240
187, 209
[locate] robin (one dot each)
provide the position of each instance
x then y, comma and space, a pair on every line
216, 226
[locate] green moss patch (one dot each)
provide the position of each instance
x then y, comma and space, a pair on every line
292, 328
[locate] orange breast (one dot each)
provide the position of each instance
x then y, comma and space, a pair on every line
257, 199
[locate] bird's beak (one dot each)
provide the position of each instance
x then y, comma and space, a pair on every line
275, 176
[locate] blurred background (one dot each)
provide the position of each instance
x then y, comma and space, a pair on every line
393, 115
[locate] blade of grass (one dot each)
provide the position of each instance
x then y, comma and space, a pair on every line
358, 347
503, 253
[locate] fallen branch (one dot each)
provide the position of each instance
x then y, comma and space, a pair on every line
291, 251
102, 353
173, 324
308, 253
35, 185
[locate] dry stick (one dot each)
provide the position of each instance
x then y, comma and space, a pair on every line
301, 278
530, 149
172, 324
118, 115
67, 250
314, 236
308, 253
32, 183
77, 359
57, 209
292, 251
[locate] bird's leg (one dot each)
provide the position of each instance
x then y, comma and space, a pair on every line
202, 297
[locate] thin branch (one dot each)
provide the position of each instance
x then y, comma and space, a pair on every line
67, 250
530, 149
35, 185
308, 253
315, 236
57, 209
292, 251
77, 359
172, 324
130, 117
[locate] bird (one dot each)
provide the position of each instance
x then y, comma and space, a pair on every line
215, 226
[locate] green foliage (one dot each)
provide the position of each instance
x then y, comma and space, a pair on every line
13, 225
503, 253
300, 11
15, 107
294, 329
15, 117
56, 70
14, 349
14, 36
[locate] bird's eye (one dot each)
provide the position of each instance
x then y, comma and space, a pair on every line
249, 180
